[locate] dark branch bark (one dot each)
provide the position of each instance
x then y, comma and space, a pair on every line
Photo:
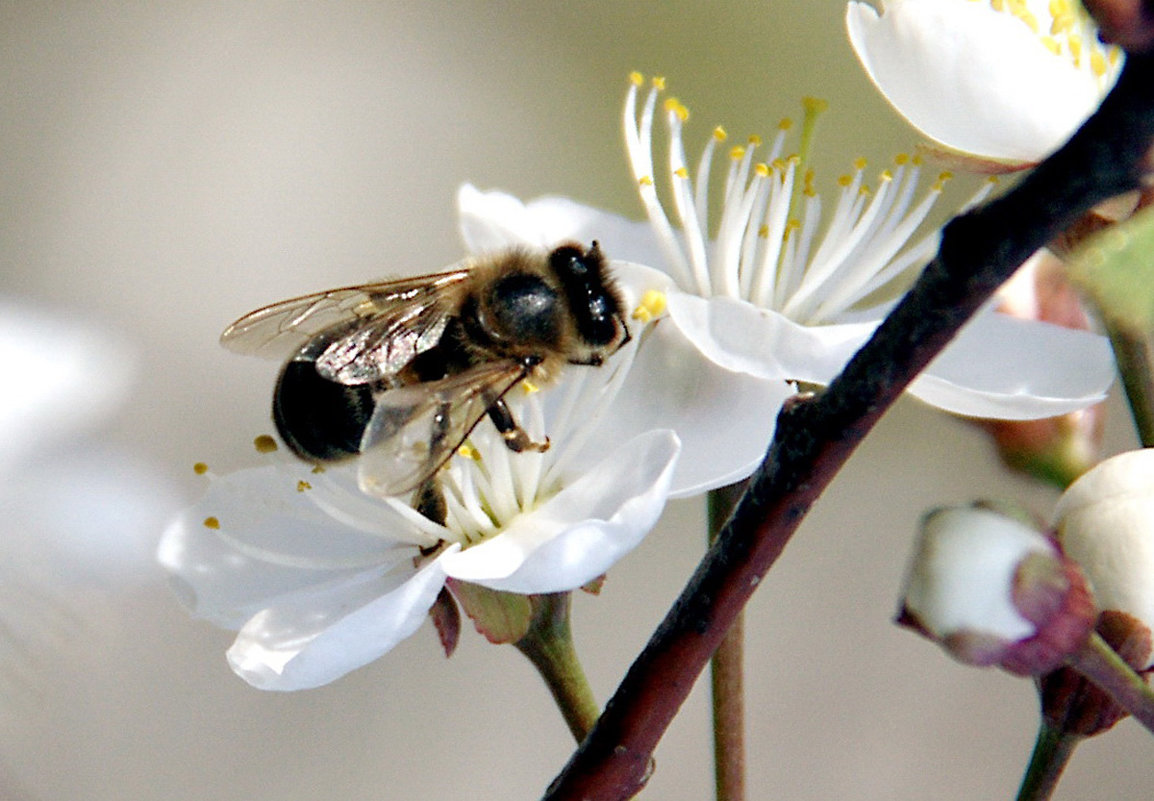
814, 438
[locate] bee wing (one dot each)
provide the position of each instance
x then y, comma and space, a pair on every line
281, 330
416, 428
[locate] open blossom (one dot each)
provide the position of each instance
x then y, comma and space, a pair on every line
1004, 80
321, 578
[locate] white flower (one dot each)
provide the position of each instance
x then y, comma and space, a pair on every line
1105, 522
1008, 80
322, 578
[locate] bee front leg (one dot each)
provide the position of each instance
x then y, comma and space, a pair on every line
516, 438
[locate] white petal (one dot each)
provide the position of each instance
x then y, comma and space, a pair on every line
319, 634
1005, 368
272, 539
973, 79
724, 419
760, 342
495, 220
578, 534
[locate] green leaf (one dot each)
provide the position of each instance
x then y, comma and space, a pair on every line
1115, 268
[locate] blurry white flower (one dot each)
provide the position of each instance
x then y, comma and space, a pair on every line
991, 590
322, 578
1105, 522
1006, 80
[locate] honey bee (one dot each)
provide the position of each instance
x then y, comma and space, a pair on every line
399, 373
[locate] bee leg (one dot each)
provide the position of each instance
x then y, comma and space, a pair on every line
429, 500
516, 438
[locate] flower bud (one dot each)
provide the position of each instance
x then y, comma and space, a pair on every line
1105, 522
993, 591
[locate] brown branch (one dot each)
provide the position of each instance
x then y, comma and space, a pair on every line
814, 438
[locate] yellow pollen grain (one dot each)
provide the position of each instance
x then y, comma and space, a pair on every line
859, 163
785, 124
1097, 63
763, 231
719, 134
652, 305
200, 468
659, 82
529, 387
469, 452
211, 522
761, 169
645, 180
1075, 43
681, 172
636, 78
303, 485
264, 444
317, 469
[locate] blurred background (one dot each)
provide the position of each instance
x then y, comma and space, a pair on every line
165, 168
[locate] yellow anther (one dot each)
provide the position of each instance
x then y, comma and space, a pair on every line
318, 469
754, 140
469, 452
737, 153
652, 306
844, 180
902, 159
303, 485
945, 175
200, 468
790, 227
264, 444
761, 169
1097, 63
719, 134
785, 124
681, 172
763, 231
917, 160
779, 164
659, 82
865, 191
645, 180
814, 105
529, 387
211, 522
993, 179
1051, 44
1075, 44
859, 163
636, 78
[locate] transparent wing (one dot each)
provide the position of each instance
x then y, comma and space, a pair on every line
415, 429
369, 313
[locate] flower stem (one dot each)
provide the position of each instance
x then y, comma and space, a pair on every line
549, 646
1136, 366
727, 672
1052, 751
1098, 662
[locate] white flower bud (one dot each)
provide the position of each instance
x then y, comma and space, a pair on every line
1105, 522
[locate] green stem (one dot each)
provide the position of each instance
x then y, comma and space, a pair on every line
1098, 662
1052, 752
1136, 366
549, 646
726, 672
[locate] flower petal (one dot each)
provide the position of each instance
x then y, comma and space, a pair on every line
973, 79
1011, 369
578, 534
320, 633
254, 536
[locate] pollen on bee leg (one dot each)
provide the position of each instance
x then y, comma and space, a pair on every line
467, 451
652, 305
265, 444
200, 468
529, 387
211, 522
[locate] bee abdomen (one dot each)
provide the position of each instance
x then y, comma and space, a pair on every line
320, 420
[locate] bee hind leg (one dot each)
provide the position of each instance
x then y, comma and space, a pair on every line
516, 438
429, 500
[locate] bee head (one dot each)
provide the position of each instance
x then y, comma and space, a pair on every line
589, 291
